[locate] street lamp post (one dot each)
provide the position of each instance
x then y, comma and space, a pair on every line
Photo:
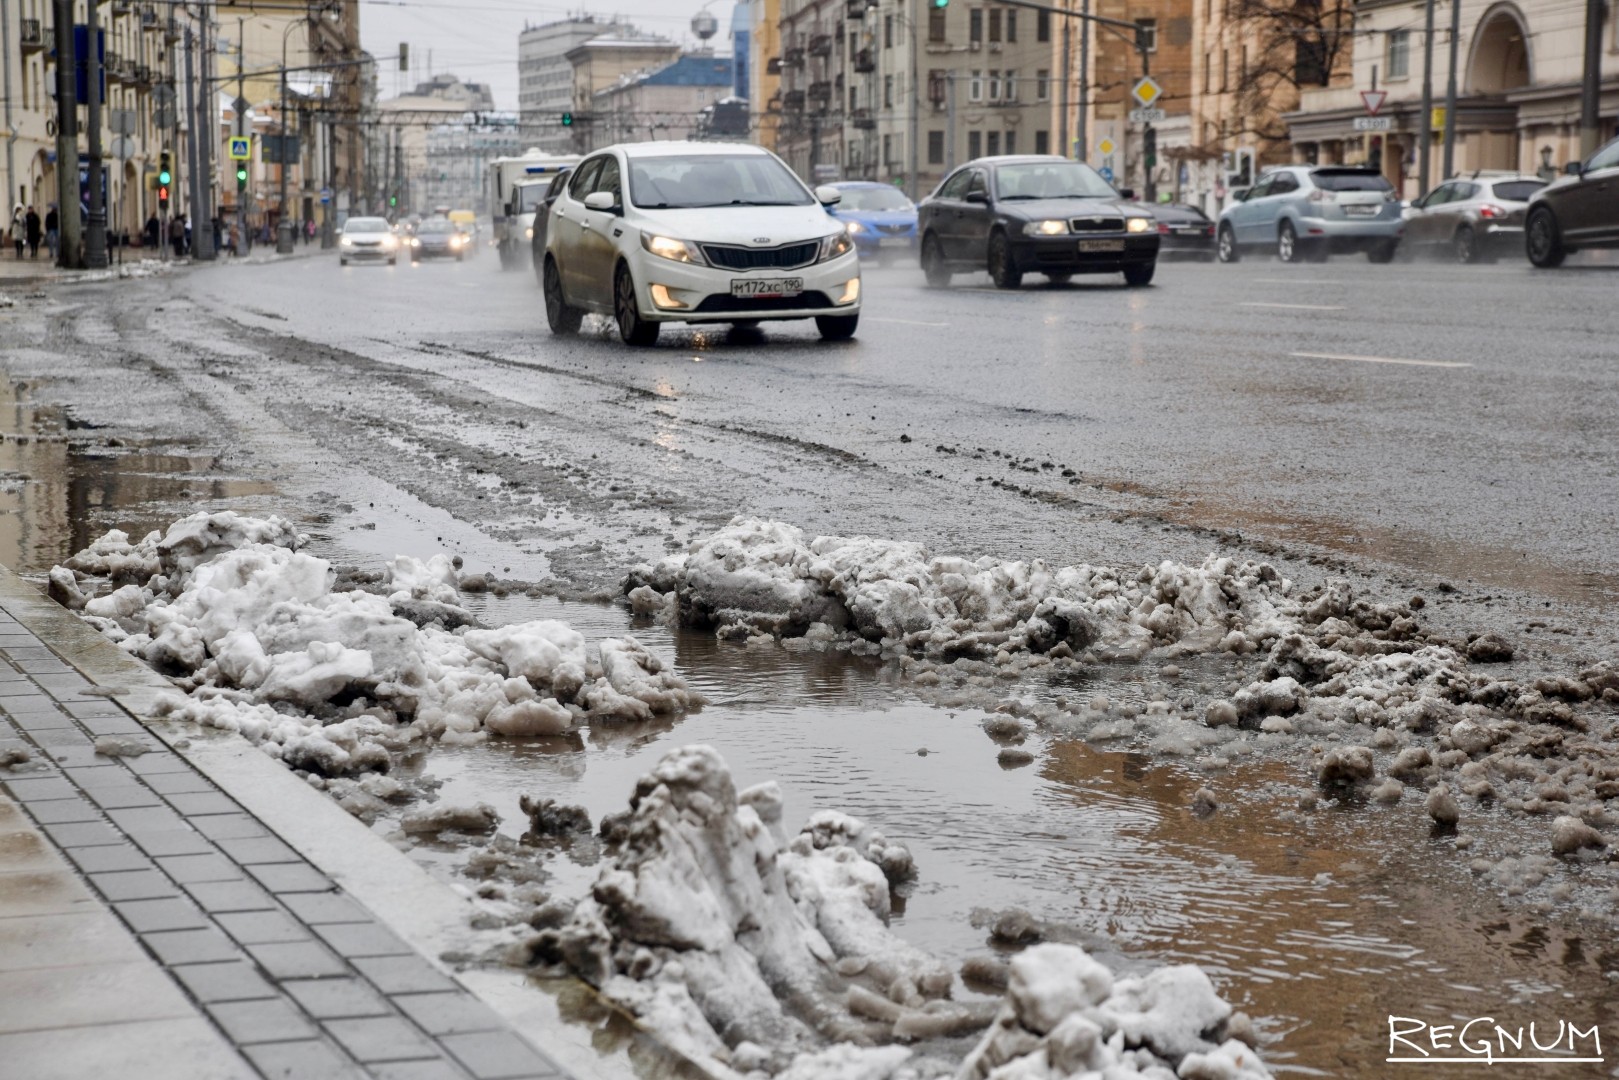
283, 228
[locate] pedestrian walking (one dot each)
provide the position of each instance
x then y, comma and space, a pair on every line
31, 225
53, 230
185, 226
17, 229
177, 235
309, 231
154, 231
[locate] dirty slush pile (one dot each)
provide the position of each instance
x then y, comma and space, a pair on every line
1331, 667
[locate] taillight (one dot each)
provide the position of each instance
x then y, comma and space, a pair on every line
1490, 210
1163, 228
1211, 230
1322, 195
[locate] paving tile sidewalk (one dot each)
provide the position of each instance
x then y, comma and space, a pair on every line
191, 933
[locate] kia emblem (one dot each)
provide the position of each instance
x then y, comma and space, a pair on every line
761, 239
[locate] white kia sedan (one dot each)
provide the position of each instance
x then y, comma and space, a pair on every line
650, 233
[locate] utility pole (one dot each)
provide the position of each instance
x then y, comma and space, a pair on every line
1082, 124
283, 226
1450, 90
1591, 84
204, 238
1064, 147
1425, 121
5, 95
95, 237
950, 121
915, 134
67, 139
239, 111
201, 230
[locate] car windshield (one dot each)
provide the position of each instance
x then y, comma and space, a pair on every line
530, 197
1518, 190
687, 181
1052, 180
1350, 180
366, 225
431, 227
873, 198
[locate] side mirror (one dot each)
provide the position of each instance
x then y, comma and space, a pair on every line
1127, 193
601, 200
1574, 168
827, 195
979, 197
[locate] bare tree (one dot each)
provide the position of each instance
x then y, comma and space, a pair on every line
1288, 46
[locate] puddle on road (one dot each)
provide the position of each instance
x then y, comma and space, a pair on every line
1319, 926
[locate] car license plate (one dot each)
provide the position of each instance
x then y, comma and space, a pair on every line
1360, 211
894, 241
766, 288
1100, 245
1190, 230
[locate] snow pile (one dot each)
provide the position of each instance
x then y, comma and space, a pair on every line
773, 954
332, 679
758, 576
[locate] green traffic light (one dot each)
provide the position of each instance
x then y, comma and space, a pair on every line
567, 119
393, 200
164, 179
940, 5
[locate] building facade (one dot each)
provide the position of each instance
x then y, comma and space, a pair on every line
1108, 138
545, 78
458, 157
404, 123
667, 103
604, 62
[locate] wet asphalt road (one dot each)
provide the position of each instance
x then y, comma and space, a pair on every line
1453, 421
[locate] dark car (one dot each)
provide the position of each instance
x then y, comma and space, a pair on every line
1184, 232
1580, 210
438, 238
542, 221
1033, 214
1470, 219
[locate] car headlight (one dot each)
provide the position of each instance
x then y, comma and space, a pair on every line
531, 232
347, 241
667, 247
855, 227
415, 242
836, 244
1052, 227
1138, 224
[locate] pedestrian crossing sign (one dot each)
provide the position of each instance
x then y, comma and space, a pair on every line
241, 148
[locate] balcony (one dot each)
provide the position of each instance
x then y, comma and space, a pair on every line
857, 8
149, 19
865, 61
143, 76
793, 101
820, 45
773, 66
793, 57
33, 36
863, 120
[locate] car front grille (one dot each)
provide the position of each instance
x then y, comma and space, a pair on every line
1097, 224
809, 301
789, 257
894, 230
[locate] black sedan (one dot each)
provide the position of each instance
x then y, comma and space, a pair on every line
1184, 232
438, 238
1035, 214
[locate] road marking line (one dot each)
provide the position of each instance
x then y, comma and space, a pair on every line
1293, 307
1380, 360
1292, 281
908, 322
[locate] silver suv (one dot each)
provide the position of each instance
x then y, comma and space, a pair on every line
1310, 211
1472, 218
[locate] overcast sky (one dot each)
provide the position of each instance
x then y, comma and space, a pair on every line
477, 39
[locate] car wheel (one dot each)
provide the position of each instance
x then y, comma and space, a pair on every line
539, 269
632, 328
342, 262
508, 257
1464, 245
933, 264
1139, 274
1382, 253
1002, 270
1287, 243
837, 327
1543, 240
1226, 249
1316, 251
563, 319
394, 261
1059, 279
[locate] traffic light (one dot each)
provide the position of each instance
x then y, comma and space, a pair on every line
940, 5
164, 177
241, 178
567, 119
1149, 147
404, 56
393, 200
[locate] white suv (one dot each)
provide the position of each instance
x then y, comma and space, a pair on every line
661, 232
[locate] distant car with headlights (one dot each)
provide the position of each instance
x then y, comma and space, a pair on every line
696, 232
1576, 211
1033, 214
367, 239
1184, 232
880, 219
1309, 212
1471, 219
438, 238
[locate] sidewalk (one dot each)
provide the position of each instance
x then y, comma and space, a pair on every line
187, 939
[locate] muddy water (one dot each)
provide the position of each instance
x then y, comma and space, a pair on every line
1319, 925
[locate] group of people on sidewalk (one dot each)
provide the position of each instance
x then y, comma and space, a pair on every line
29, 230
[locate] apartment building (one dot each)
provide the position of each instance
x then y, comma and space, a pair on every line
545, 77
662, 104
601, 63
763, 71
1115, 63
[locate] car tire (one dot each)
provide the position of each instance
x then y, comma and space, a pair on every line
564, 319
1317, 251
1225, 245
1002, 270
632, 328
933, 264
1140, 274
1382, 253
1464, 245
1059, 279
508, 257
1288, 248
342, 261
1543, 240
394, 261
460, 257
837, 327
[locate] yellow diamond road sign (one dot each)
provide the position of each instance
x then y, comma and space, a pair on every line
1105, 147
241, 148
1147, 91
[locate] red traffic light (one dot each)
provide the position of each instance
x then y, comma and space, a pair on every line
163, 195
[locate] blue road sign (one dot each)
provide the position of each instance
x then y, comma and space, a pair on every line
1107, 173
326, 195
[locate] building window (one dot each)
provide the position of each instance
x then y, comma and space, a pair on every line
888, 31
994, 143
975, 27
1042, 142
936, 24
1011, 142
1042, 26
994, 86
995, 25
1147, 33
1011, 26
888, 148
975, 145
1225, 69
1011, 86
975, 85
888, 91
935, 148
1208, 71
1042, 85
1399, 54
